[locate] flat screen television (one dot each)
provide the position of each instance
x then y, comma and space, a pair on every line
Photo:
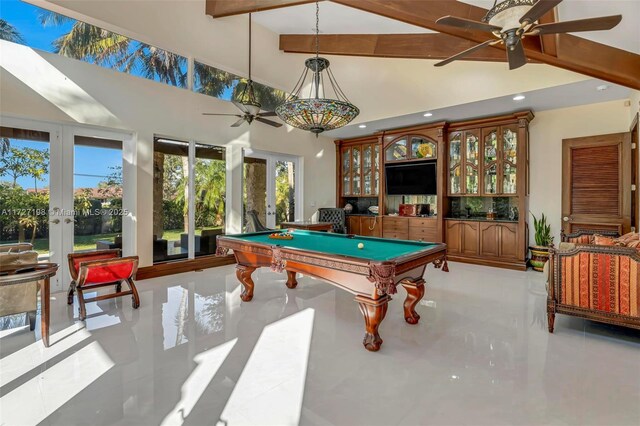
411, 179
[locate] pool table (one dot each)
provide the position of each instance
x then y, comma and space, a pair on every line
371, 273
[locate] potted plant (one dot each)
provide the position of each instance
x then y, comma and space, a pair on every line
544, 240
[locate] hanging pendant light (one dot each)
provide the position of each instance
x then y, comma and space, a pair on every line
317, 113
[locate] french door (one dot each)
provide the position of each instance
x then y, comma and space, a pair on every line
64, 190
272, 186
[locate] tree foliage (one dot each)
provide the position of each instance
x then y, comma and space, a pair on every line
9, 32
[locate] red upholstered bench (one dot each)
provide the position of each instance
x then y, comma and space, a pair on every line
100, 268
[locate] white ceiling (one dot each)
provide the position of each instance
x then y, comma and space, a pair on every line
338, 19
564, 96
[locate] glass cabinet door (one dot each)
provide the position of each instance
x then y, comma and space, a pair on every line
397, 151
355, 171
346, 171
376, 169
471, 154
423, 148
490, 162
509, 160
455, 163
367, 169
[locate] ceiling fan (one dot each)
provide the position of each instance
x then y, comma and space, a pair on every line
247, 102
512, 20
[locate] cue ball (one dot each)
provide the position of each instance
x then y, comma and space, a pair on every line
360, 246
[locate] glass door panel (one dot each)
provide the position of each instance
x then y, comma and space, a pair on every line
346, 171
97, 194
472, 175
355, 171
170, 199
397, 151
255, 190
285, 191
423, 148
455, 159
510, 157
25, 190
209, 205
490, 166
376, 168
367, 168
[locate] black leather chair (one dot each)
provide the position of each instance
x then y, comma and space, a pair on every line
334, 215
254, 224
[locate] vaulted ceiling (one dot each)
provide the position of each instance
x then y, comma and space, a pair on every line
408, 29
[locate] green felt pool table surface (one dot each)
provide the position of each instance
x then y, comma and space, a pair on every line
376, 249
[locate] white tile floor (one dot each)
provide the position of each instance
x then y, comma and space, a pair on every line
194, 354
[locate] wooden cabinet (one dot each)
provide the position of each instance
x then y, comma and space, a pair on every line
371, 226
353, 225
423, 229
462, 237
499, 240
360, 170
484, 161
411, 147
395, 227
464, 162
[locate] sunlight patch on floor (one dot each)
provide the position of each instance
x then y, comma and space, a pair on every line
271, 387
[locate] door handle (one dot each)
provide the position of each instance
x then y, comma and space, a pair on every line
566, 219
55, 221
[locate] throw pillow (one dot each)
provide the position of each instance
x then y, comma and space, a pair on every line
601, 240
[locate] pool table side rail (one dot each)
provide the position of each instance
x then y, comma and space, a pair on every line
382, 273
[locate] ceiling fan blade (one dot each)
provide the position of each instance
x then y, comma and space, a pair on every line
269, 122
467, 24
239, 123
466, 52
517, 57
240, 106
267, 114
538, 10
591, 24
213, 113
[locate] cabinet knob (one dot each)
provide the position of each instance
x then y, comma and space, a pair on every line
566, 219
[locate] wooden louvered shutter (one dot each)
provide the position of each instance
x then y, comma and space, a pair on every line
596, 183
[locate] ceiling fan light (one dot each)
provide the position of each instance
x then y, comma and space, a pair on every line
252, 108
507, 13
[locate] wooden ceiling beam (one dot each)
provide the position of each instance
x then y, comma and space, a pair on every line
412, 46
549, 41
221, 8
573, 53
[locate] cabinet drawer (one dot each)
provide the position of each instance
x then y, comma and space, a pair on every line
423, 222
396, 235
424, 234
394, 224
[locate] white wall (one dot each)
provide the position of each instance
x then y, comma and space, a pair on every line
547, 131
49, 87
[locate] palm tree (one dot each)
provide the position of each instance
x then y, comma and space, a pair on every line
102, 47
5, 144
9, 32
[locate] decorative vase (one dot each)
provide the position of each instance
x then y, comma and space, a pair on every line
539, 256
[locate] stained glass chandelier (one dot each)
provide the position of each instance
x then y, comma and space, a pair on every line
317, 112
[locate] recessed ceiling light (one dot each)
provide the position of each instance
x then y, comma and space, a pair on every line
519, 98
363, 126
602, 87
428, 114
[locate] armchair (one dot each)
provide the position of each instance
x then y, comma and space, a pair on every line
334, 215
93, 269
19, 298
596, 282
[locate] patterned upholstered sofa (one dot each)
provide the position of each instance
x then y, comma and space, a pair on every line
597, 282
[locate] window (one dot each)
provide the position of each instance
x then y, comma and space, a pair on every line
224, 85
174, 192
46, 30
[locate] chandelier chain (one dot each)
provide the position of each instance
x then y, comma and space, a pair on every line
317, 29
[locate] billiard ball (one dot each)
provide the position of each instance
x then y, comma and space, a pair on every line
360, 246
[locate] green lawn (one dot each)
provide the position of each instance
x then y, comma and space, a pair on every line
88, 242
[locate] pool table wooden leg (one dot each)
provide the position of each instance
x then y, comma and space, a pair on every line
291, 279
243, 273
415, 291
373, 312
